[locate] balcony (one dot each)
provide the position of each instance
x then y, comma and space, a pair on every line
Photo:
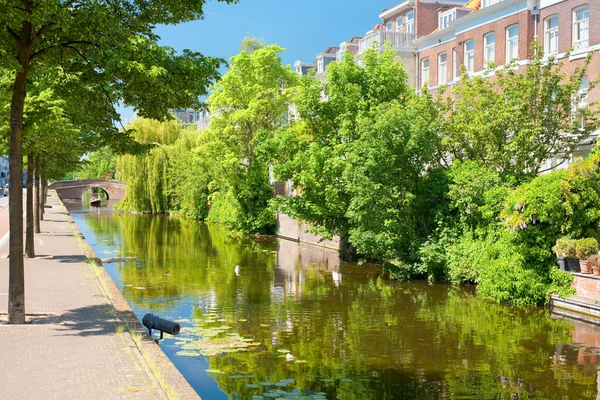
400, 41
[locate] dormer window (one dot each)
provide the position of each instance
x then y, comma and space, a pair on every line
445, 18
487, 3
320, 66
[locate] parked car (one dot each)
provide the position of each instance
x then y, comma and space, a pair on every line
6, 190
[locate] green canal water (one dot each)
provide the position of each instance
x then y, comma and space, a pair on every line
294, 322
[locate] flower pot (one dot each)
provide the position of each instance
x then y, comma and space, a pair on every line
586, 267
562, 263
572, 265
596, 271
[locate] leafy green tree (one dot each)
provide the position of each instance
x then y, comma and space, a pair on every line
249, 104
358, 154
100, 164
113, 50
516, 120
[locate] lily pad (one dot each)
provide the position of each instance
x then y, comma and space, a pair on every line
242, 320
236, 376
283, 350
214, 371
300, 361
266, 383
187, 353
346, 380
265, 325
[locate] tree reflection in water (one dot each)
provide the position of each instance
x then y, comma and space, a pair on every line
361, 337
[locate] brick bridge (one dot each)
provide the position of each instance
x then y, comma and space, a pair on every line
75, 189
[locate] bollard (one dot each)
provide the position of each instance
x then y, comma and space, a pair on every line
162, 325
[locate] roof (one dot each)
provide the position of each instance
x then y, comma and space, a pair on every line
354, 39
473, 5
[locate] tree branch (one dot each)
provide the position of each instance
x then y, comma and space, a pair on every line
12, 33
65, 44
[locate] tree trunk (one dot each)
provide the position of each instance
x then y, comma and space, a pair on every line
16, 278
29, 238
37, 194
43, 194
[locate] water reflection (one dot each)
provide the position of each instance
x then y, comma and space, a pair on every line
326, 329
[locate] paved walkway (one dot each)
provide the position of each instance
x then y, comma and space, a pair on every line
75, 346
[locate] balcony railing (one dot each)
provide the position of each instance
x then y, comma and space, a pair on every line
399, 40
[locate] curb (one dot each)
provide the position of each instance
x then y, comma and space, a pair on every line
168, 376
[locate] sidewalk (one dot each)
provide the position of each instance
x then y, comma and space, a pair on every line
75, 346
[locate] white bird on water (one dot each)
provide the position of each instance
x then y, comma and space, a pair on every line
237, 270
289, 357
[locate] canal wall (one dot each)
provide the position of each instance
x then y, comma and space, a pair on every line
292, 229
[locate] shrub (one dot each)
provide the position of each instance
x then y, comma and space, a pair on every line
565, 247
586, 247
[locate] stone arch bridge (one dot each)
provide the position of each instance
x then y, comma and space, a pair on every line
74, 189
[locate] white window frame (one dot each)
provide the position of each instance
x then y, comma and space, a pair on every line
581, 27
320, 66
389, 26
512, 43
550, 35
442, 68
487, 3
410, 22
445, 18
489, 49
424, 71
399, 23
455, 65
469, 59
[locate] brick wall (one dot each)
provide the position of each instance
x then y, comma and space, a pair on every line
426, 16
587, 285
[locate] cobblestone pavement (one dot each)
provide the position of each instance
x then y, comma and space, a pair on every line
74, 346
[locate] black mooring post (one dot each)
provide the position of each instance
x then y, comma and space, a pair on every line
151, 321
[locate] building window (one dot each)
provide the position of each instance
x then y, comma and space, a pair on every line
581, 27
487, 3
489, 47
551, 35
320, 66
445, 18
512, 42
455, 65
470, 56
442, 68
389, 27
399, 24
582, 100
410, 22
424, 71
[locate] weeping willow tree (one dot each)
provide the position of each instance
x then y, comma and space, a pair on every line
147, 175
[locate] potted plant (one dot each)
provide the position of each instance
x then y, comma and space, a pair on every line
586, 248
594, 262
565, 250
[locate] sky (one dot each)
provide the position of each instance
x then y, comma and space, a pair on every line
303, 27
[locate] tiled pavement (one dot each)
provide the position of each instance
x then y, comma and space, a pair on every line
75, 346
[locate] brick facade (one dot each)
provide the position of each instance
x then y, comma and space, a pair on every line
526, 19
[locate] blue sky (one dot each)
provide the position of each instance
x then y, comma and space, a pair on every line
303, 27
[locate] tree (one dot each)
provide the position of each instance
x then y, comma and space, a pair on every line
114, 52
100, 164
333, 114
515, 121
249, 104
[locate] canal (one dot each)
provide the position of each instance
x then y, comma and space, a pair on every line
264, 318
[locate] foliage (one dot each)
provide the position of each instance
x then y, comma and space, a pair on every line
565, 247
333, 145
147, 175
518, 120
586, 247
249, 104
100, 164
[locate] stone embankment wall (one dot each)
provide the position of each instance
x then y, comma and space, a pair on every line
587, 285
291, 229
